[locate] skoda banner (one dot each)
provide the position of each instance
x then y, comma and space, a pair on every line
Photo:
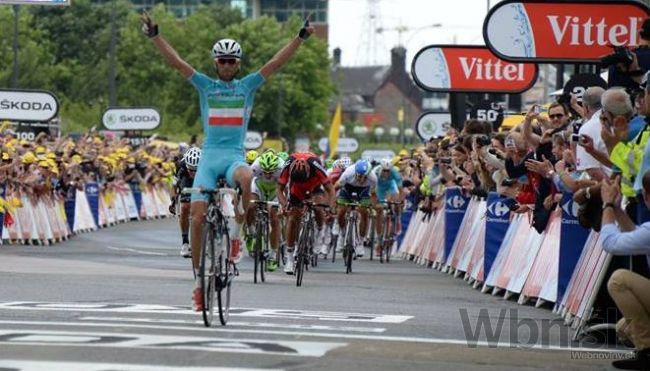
253, 140
455, 207
131, 119
432, 124
345, 145
497, 221
28, 105
469, 68
562, 31
572, 241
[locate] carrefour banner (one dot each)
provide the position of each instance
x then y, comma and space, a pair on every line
455, 207
70, 205
497, 221
572, 240
92, 194
407, 213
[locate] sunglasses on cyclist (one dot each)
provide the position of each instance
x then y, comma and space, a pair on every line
230, 61
556, 116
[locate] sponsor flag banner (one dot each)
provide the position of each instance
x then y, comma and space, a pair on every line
92, 195
334, 133
469, 68
3, 194
562, 31
455, 207
497, 221
572, 240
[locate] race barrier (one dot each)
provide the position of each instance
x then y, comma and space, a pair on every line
43, 220
499, 252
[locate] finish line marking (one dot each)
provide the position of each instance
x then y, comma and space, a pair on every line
243, 312
131, 341
20, 365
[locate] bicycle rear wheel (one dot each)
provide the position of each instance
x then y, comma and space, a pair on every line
226, 274
207, 272
349, 246
257, 254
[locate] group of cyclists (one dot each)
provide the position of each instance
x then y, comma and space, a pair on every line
290, 180
226, 105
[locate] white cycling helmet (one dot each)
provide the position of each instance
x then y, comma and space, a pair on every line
386, 164
226, 48
344, 162
192, 157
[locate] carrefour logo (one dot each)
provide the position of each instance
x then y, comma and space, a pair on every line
92, 189
455, 202
570, 209
498, 209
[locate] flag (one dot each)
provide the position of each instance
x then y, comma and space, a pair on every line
334, 132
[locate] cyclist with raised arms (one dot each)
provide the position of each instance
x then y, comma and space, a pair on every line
357, 184
266, 172
305, 177
389, 182
184, 177
226, 104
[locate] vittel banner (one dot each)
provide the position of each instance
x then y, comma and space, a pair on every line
131, 119
469, 68
28, 105
562, 31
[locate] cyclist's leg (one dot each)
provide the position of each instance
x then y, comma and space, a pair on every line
275, 228
184, 217
293, 227
364, 200
205, 178
256, 195
239, 173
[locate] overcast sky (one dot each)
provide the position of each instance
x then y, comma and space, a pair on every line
461, 22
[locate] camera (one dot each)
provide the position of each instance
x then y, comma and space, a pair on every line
621, 54
445, 160
483, 140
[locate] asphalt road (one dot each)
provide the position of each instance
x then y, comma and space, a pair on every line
119, 299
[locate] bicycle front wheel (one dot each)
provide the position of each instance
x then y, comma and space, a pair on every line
207, 273
226, 273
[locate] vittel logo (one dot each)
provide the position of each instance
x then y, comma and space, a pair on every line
491, 69
588, 31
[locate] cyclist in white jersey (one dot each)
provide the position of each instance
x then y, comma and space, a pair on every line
226, 105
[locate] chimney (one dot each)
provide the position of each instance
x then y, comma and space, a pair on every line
336, 57
398, 58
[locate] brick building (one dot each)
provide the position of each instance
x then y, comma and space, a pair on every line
373, 95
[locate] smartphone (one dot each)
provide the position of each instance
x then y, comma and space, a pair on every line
537, 109
445, 160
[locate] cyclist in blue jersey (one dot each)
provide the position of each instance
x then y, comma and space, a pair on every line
226, 104
389, 183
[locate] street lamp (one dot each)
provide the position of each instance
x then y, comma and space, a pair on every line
394, 132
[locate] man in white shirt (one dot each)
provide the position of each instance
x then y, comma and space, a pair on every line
630, 291
592, 128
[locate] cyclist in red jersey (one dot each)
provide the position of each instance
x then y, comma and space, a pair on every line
305, 177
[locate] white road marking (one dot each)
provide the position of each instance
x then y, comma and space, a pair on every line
131, 341
405, 339
293, 326
136, 251
234, 312
82, 366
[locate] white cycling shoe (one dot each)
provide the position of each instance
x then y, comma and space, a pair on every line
186, 251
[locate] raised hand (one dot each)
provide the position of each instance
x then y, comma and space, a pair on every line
149, 28
306, 29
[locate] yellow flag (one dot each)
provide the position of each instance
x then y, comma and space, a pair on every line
334, 132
